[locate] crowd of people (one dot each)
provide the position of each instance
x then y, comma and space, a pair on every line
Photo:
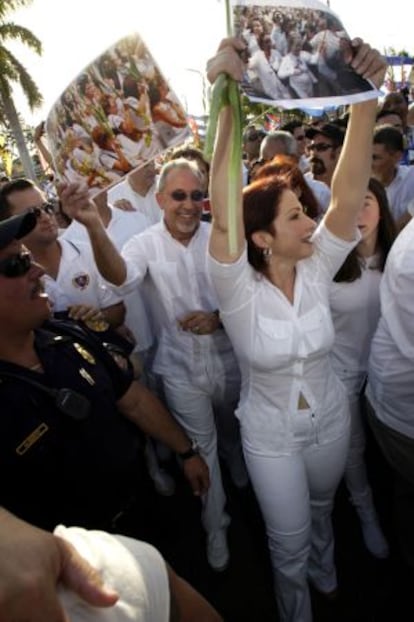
130, 333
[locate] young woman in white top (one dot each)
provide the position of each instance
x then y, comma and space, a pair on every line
355, 306
274, 303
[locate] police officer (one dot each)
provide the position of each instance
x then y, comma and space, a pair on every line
69, 439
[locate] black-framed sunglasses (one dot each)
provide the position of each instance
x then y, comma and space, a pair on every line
180, 195
320, 147
46, 208
16, 265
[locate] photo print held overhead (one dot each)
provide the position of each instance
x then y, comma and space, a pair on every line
115, 116
297, 55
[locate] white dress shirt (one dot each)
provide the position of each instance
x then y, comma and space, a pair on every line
176, 282
401, 191
321, 191
391, 363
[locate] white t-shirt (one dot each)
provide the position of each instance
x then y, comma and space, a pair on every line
147, 205
355, 308
391, 363
133, 568
283, 349
78, 280
122, 226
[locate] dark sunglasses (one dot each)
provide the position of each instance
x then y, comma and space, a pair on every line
320, 147
16, 265
180, 195
46, 208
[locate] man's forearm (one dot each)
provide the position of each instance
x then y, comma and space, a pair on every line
109, 262
151, 416
115, 314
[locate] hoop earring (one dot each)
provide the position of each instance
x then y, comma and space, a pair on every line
267, 254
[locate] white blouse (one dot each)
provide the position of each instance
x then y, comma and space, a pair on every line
283, 349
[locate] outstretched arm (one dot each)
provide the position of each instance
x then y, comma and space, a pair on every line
227, 60
144, 409
32, 561
351, 177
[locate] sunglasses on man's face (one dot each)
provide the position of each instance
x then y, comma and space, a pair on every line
16, 265
180, 195
254, 136
320, 147
46, 208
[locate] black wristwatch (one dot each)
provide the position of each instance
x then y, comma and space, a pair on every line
190, 453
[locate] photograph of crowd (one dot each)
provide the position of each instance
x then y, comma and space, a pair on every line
118, 114
295, 51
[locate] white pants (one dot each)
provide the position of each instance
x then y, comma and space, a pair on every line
295, 492
204, 407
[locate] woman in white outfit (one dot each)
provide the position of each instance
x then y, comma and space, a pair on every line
274, 302
355, 307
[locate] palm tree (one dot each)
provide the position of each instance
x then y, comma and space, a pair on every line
13, 72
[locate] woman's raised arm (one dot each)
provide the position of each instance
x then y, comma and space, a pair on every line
227, 60
352, 173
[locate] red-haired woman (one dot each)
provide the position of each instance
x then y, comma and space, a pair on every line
274, 303
286, 167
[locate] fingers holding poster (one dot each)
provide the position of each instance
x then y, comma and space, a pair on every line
297, 50
116, 116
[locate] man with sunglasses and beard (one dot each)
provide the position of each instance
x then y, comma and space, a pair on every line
324, 149
71, 424
194, 357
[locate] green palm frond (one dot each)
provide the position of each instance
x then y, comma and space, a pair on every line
13, 32
7, 74
8, 6
12, 70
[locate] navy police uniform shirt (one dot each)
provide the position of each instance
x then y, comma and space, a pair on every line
58, 465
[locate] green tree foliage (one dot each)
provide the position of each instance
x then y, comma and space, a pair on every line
13, 72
